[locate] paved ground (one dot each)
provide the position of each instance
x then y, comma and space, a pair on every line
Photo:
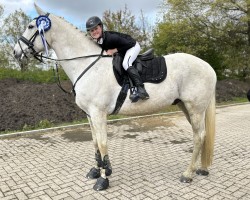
148, 156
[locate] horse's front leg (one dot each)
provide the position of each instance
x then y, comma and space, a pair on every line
94, 172
99, 130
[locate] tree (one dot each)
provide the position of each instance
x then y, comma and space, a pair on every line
124, 21
13, 26
234, 15
3, 59
217, 31
1, 11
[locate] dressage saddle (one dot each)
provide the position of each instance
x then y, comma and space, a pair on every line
152, 69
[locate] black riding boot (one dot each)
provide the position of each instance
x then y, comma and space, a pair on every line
135, 77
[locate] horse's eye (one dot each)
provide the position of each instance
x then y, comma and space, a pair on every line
30, 26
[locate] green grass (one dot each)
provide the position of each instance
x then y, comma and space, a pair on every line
235, 100
36, 75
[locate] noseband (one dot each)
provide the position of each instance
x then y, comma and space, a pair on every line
30, 44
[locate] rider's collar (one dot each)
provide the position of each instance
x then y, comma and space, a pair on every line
100, 40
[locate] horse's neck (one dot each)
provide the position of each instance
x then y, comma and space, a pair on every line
69, 42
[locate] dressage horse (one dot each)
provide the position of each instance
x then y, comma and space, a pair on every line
190, 80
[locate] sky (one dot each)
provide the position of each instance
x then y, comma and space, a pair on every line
78, 11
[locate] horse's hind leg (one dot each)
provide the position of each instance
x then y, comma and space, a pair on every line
182, 106
198, 125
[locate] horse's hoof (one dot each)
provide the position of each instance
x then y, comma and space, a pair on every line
202, 172
101, 184
134, 98
184, 179
94, 173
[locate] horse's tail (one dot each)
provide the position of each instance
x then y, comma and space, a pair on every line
207, 150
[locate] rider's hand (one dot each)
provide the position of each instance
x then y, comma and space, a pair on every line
111, 51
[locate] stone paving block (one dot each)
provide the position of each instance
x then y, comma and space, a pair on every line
50, 192
45, 197
238, 194
26, 190
61, 196
122, 198
4, 188
36, 194
11, 197
12, 192
21, 196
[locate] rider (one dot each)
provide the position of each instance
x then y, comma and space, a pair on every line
124, 44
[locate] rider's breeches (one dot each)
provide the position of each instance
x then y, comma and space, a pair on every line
130, 56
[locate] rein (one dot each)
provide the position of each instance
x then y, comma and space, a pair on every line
40, 56
56, 74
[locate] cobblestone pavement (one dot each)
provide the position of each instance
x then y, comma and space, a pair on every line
148, 155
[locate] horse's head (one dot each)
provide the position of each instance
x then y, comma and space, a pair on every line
36, 37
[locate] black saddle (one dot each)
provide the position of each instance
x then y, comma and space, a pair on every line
151, 69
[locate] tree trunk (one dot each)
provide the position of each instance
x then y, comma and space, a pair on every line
248, 22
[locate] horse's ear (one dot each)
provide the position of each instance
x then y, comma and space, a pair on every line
39, 10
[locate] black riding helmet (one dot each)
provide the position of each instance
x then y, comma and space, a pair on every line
92, 22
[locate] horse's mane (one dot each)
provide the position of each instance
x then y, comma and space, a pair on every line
79, 30
75, 27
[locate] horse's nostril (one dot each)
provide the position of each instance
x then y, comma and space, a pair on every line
15, 54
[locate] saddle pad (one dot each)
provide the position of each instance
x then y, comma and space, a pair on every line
152, 71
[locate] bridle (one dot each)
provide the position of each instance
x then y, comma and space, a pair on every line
30, 44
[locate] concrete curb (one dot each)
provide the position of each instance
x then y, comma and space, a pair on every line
68, 127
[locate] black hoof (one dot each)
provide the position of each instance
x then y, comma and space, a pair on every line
184, 179
144, 96
202, 172
94, 173
101, 184
134, 98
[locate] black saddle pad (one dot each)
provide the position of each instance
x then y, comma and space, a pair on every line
152, 71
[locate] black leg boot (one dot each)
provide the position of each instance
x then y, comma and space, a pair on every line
134, 75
